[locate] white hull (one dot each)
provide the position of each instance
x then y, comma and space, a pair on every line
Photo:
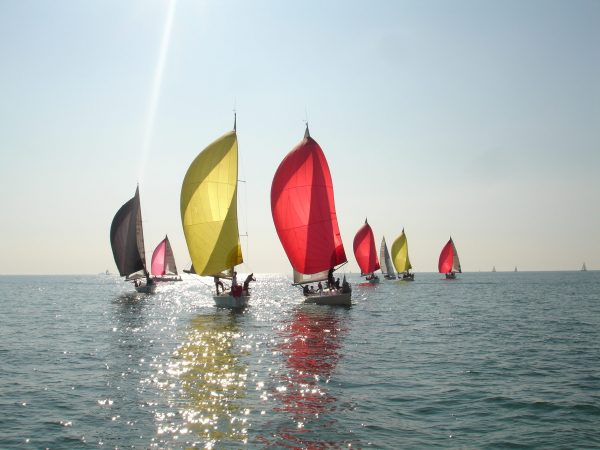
166, 278
330, 298
226, 300
146, 289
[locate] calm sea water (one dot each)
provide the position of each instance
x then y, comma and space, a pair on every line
491, 360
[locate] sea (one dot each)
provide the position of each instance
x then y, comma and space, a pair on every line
489, 360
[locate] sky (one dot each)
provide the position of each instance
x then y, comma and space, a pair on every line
478, 120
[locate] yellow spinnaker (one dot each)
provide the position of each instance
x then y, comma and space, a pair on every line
209, 207
400, 254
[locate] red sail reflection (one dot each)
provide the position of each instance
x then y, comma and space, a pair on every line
310, 346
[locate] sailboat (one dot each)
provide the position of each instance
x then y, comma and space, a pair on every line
365, 253
401, 259
387, 269
162, 266
516, 269
209, 216
449, 262
127, 242
583, 268
303, 210
494, 269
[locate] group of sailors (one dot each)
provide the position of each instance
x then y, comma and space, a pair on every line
331, 284
234, 284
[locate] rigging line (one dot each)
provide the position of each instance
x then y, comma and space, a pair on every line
245, 208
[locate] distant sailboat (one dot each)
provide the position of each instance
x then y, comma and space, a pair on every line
401, 259
386, 262
449, 262
516, 269
365, 253
209, 216
127, 242
583, 268
494, 269
304, 215
163, 266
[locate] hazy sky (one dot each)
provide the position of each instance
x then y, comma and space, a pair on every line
476, 119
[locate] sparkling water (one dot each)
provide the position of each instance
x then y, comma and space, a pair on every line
507, 360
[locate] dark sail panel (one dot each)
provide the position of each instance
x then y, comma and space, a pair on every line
170, 266
125, 237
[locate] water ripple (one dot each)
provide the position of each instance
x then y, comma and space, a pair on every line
491, 360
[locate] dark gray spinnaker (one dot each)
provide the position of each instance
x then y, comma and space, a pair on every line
127, 239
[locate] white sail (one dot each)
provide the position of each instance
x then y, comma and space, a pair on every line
387, 267
302, 278
456, 262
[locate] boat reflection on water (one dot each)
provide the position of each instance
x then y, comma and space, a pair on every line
310, 346
211, 385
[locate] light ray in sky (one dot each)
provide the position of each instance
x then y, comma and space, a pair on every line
156, 85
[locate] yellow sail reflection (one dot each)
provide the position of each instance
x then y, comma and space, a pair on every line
400, 254
209, 207
213, 382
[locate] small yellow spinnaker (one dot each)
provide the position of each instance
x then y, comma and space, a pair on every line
400, 254
209, 207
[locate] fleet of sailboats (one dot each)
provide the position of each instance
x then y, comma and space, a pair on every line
365, 253
304, 215
303, 210
127, 243
401, 259
449, 263
209, 216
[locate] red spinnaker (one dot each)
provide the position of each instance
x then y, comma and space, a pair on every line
364, 249
304, 210
159, 259
446, 258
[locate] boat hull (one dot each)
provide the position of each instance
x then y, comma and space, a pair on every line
226, 300
333, 299
165, 279
146, 288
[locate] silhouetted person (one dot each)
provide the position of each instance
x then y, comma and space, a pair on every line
218, 283
249, 278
